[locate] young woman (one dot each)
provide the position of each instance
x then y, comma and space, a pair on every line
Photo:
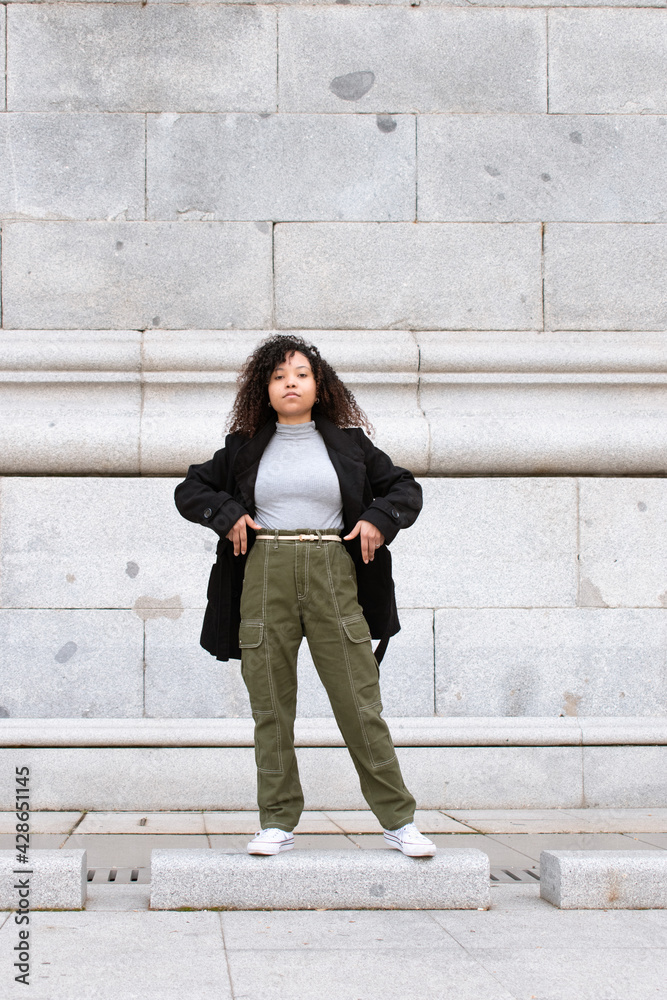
298, 472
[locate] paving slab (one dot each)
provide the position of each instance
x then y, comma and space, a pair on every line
46, 841
532, 844
654, 839
520, 820
377, 975
123, 956
142, 823
581, 973
498, 854
319, 879
41, 822
117, 897
520, 918
623, 820
600, 880
127, 851
351, 930
363, 821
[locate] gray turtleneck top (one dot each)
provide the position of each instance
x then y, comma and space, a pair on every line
297, 486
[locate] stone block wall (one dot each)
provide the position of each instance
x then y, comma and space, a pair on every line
464, 205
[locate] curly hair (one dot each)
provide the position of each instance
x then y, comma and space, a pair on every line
251, 408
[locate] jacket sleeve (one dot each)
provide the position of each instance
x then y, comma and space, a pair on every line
397, 494
199, 497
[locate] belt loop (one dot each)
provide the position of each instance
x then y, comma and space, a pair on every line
275, 538
319, 539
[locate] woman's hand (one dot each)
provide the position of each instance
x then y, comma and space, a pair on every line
371, 539
238, 534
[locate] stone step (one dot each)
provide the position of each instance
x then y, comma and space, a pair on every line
49, 880
604, 880
307, 880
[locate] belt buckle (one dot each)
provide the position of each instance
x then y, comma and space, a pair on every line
307, 538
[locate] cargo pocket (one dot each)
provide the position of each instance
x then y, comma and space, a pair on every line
250, 634
356, 628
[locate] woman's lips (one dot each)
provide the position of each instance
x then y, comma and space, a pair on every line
289, 394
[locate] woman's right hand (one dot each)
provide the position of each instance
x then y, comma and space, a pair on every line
238, 534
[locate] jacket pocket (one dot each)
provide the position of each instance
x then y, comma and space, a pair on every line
356, 628
250, 634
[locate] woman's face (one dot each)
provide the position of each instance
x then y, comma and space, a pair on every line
292, 389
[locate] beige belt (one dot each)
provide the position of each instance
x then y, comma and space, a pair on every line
297, 538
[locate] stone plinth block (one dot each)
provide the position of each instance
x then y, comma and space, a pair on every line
518, 168
601, 61
281, 167
623, 542
71, 166
605, 277
412, 60
604, 880
104, 543
136, 274
492, 542
551, 661
56, 880
67, 662
332, 880
428, 276
160, 57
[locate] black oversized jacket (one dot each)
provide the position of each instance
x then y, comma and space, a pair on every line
218, 492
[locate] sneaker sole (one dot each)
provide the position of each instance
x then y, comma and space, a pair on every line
412, 851
268, 849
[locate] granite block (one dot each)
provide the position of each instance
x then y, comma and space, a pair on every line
136, 274
71, 166
624, 776
605, 277
604, 880
69, 663
521, 168
56, 881
52, 426
320, 880
407, 275
551, 661
94, 542
159, 57
490, 542
183, 679
623, 542
606, 61
398, 60
281, 167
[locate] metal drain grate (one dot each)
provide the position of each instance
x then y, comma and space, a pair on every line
508, 875
119, 876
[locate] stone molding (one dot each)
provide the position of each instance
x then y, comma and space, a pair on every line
444, 403
406, 732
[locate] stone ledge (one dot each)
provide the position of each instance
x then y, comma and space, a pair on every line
471, 731
604, 880
441, 400
57, 879
306, 880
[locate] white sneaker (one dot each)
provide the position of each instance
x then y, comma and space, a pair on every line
271, 841
410, 841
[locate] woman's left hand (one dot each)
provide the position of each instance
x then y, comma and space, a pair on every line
371, 539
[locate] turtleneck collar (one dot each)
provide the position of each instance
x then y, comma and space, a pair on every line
294, 431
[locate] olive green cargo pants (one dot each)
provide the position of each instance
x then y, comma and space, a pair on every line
296, 588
